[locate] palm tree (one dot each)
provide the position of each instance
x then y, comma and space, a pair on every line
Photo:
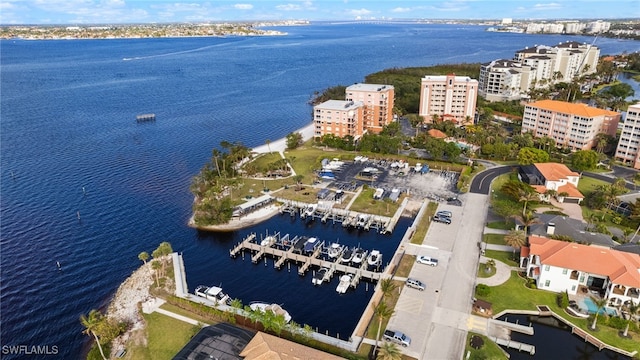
599, 303
633, 309
91, 324
516, 239
387, 286
490, 264
237, 304
526, 220
155, 265
144, 256
526, 196
389, 351
268, 142
382, 312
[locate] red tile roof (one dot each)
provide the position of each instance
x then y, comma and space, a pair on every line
436, 134
555, 171
571, 190
621, 267
571, 108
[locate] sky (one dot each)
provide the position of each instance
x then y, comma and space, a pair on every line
80, 12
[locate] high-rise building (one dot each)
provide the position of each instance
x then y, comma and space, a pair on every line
338, 117
378, 103
627, 151
448, 97
574, 126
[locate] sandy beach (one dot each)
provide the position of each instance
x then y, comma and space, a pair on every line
280, 145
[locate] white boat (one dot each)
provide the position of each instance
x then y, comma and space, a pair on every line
358, 256
268, 241
213, 293
374, 258
363, 219
274, 308
309, 210
318, 278
347, 255
343, 286
334, 250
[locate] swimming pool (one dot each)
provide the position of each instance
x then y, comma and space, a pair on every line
592, 308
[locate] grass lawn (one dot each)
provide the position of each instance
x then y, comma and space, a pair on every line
489, 351
495, 239
262, 160
485, 271
423, 224
391, 300
515, 295
588, 185
501, 225
165, 337
367, 204
504, 256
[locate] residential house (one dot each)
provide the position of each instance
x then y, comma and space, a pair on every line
561, 226
628, 150
574, 126
378, 103
565, 266
552, 176
448, 97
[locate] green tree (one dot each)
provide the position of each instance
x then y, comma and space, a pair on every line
294, 139
268, 142
632, 309
387, 286
516, 239
144, 256
584, 160
389, 351
91, 324
529, 155
599, 303
156, 266
298, 179
382, 312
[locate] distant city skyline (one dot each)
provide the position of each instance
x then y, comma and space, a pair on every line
78, 12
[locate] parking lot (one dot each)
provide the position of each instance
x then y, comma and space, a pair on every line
436, 184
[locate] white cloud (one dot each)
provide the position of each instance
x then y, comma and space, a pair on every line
359, 12
549, 6
289, 7
401, 10
243, 6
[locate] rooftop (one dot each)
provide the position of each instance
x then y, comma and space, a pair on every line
571, 108
554, 171
369, 87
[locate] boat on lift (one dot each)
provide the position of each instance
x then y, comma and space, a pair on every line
374, 258
347, 255
268, 241
358, 256
335, 250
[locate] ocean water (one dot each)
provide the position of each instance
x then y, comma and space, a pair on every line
85, 185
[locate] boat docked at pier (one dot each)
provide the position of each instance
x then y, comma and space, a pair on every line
335, 250
374, 258
358, 256
268, 241
347, 256
310, 245
343, 286
274, 308
309, 211
213, 293
318, 278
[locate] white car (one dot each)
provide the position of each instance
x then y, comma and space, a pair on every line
426, 260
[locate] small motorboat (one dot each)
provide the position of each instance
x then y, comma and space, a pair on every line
274, 308
335, 250
310, 245
358, 256
363, 220
374, 258
268, 241
213, 293
345, 282
347, 255
309, 210
318, 278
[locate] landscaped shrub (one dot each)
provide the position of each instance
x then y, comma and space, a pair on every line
562, 299
483, 290
617, 322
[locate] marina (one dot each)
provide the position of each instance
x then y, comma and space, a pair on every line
308, 252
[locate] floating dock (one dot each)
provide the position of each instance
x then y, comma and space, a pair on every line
284, 249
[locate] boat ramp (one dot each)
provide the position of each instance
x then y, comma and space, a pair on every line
285, 248
353, 219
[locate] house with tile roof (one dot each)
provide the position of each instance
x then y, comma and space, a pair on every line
574, 126
575, 268
435, 133
552, 176
268, 347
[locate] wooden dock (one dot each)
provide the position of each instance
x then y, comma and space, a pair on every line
284, 250
515, 345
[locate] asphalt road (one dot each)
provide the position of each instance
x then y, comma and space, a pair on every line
481, 183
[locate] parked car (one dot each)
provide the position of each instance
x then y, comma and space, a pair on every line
416, 284
442, 219
444, 213
426, 260
397, 337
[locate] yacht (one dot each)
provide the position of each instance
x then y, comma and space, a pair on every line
318, 278
335, 250
374, 258
343, 286
274, 308
358, 256
347, 255
213, 293
268, 241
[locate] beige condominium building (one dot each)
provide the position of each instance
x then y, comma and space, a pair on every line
627, 150
338, 117
448, 97
378, 103
574, 126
